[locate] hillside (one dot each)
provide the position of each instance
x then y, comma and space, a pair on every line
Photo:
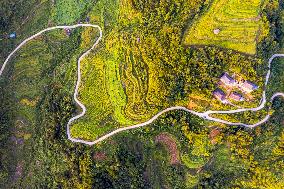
153, 55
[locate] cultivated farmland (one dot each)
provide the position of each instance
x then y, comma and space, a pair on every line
137, 70
233, 24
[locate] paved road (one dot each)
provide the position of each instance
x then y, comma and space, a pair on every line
205, 115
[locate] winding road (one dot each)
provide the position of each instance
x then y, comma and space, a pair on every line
205, 115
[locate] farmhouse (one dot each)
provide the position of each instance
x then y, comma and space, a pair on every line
236, 96
227, 80
220, 95
248, 87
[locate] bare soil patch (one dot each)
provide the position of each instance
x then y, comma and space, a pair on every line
100, 156
213, 134
169, 142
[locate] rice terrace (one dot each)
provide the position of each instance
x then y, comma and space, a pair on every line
117, 94
125, 95
85, 131
233, 24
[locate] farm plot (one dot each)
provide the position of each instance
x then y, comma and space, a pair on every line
233, 24
104, 97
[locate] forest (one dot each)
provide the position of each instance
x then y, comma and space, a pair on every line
141, 66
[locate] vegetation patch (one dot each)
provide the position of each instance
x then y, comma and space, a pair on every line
277, 76
168, 141
154, 71
191, 180
68, 11
232, 24
141, 66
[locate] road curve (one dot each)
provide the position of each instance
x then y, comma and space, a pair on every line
205, 115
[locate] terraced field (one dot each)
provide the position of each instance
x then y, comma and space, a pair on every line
103, 94
233, 24
140, 67
106, 82
115, 90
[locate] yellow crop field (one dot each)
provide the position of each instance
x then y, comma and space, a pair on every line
232, 24
141, 67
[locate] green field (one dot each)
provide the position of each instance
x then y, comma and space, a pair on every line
140, 67
66, 11
120, 85
137, 71
239, 22
102, 93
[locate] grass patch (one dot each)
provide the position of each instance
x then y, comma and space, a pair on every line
191, 163
239, 23
191, 180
